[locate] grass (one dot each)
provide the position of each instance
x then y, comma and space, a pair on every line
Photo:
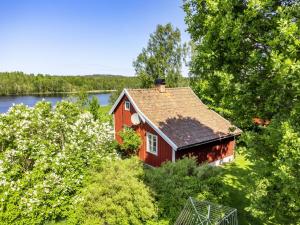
105, 109
237, 179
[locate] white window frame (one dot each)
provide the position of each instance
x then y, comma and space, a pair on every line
127, 107
148, 147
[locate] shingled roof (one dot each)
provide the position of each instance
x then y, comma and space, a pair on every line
181, 115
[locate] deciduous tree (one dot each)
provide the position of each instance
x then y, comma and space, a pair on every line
162, 58
245, 64
246, 56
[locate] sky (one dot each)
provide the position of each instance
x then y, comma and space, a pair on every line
79, 37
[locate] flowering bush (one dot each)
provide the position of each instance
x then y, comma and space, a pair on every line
44, 156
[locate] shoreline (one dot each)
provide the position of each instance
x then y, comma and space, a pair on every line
62, 92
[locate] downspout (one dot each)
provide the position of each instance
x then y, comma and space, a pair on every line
173, 155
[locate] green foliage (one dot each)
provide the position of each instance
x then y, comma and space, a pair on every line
162, 58
245, 56
82, 99
114, 96
237, 177
44, 157
173, 183
116, 195
131, 141
245, 64
18, 83
100, 113
276, 149
94, 107
104, 115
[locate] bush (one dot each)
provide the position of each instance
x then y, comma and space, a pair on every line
44, 157
173, 183
94, 107
116, 195
131, 141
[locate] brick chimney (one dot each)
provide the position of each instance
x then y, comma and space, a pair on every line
160, 84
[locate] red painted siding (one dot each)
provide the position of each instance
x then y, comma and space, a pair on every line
123, 117
164, 149
210, 152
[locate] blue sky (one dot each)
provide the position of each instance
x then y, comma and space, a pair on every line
80, 36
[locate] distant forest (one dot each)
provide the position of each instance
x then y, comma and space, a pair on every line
18, 83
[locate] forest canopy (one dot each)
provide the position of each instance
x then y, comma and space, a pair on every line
17, 83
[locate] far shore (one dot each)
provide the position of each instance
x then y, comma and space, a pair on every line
62, 92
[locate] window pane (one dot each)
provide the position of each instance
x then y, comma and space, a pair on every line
151, 143
154, 148
127, 105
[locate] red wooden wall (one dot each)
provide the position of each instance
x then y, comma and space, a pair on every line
210, 152
164, 149
123, 117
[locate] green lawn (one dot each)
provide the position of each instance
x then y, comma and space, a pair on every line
237, 178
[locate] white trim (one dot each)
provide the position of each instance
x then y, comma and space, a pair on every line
125, 106
125, 92
134, 105
147, 143
165, 137
222, 161
143, 117
173, 155
116, 102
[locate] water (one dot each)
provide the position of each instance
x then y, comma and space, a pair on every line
7, 101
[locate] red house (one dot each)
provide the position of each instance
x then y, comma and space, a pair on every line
173, 122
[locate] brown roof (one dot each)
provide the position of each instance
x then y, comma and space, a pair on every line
181, 115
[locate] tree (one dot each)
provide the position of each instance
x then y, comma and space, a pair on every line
244, 52
162, 58
245, 64
276, 151
94, 107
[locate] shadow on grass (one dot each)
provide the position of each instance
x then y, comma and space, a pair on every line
237, 181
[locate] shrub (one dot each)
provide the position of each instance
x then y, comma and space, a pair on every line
131, 141
173, 183
116, 195
44, 157
94, 107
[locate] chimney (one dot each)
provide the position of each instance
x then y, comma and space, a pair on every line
160, 84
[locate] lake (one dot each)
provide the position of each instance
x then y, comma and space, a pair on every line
7, 101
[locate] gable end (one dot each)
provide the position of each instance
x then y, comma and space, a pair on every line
143, 117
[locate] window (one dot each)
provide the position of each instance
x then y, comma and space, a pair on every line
127, 105
152, 143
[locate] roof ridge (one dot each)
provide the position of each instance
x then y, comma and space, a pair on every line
153, 88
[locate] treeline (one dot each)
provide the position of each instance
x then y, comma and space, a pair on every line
17, 83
